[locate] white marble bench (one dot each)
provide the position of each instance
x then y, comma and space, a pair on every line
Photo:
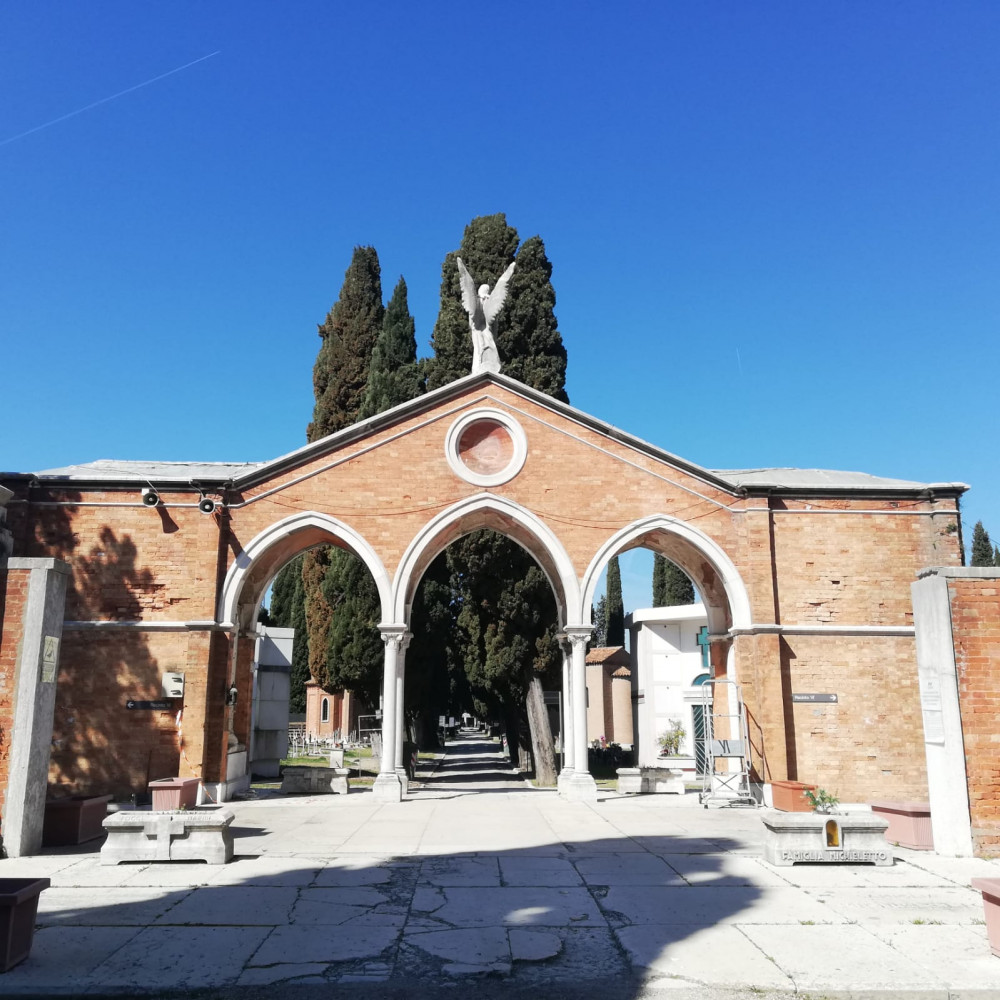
307, 780
176, 835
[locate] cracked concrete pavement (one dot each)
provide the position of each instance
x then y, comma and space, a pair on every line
479, 882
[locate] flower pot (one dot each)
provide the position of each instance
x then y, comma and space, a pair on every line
990, 888
789, 796
74, 820
174, 793
18, 907
909, 824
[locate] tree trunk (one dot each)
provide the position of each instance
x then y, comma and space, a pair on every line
511, 724
542, 745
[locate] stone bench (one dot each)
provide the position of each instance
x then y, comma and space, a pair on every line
183, 835
830, 838
650, 780
315, 780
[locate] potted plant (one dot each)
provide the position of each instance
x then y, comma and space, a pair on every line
18, 907
671, 738
790, 796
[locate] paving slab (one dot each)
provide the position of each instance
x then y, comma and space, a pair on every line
904, 905
172, 958
713, 955
322, 943
852, 959
133, 906
959, 956
236, 905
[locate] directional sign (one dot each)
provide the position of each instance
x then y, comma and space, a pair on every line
161, 706
814, 697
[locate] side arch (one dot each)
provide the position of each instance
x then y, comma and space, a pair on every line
275, 545
486, 510
713, 572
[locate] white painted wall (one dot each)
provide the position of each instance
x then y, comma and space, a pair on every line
666, 658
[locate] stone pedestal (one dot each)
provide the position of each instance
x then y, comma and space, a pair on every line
388, 787
629, 780
842, 838
315, 780
579, 787
188, 835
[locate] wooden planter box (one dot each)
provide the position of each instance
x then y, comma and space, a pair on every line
789, 796
990, 888
909, 824
174, 793
18, 907
74, 820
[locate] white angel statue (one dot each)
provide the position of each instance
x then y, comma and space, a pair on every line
483, 308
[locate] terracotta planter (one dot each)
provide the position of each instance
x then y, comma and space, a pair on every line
990, 888
789, 796
174, 793
74, 820
909, 824
18, 907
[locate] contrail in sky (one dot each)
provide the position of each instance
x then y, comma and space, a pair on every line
104, 100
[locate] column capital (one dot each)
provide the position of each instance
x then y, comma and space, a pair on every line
396, 634
578, 634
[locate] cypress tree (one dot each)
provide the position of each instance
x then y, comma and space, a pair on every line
982, 547
996, 555
599, 617
394, 375
671, 586
288, 611
615, 635
348, 335
340, 378
494, 583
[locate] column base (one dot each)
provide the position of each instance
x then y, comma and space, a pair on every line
388, 787
564, 775
579, 787
404, 778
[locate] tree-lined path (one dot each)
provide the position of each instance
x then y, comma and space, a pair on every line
472, 763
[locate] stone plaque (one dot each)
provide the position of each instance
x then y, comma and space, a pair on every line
50, 657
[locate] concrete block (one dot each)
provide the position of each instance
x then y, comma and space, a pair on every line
848, 838
185, 835
315, 780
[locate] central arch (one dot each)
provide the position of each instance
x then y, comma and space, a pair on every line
509, 518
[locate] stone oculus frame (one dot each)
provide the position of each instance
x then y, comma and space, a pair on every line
804, 575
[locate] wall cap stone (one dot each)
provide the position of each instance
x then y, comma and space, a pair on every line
961, 572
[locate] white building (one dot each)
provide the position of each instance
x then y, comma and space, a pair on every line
669, 655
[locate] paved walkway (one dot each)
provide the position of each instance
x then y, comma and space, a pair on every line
483, 884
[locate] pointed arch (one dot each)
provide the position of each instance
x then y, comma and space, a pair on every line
509, 518
268, 551
713, 572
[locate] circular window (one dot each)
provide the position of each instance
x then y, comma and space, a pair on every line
486, 447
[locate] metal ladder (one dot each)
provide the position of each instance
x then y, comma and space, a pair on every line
726, 741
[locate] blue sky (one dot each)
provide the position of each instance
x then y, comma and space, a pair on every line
774, 227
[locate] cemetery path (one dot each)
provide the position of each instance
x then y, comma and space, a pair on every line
472, 763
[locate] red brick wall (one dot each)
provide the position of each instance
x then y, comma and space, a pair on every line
800, 567
975, 613
13, 599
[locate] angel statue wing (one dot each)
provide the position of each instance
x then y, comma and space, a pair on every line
469, 297
493, 305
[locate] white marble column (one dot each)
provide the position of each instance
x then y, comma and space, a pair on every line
388, 787
401, 708
580, 784
566, 736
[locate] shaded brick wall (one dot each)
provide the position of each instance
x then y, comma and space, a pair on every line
975, 613
13, 598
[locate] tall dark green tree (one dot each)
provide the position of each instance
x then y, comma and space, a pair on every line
982, 547
394, 375
288, 611
340, 375
615, 635
996, 555
340, 378
505, 674
599, 618
671, 586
